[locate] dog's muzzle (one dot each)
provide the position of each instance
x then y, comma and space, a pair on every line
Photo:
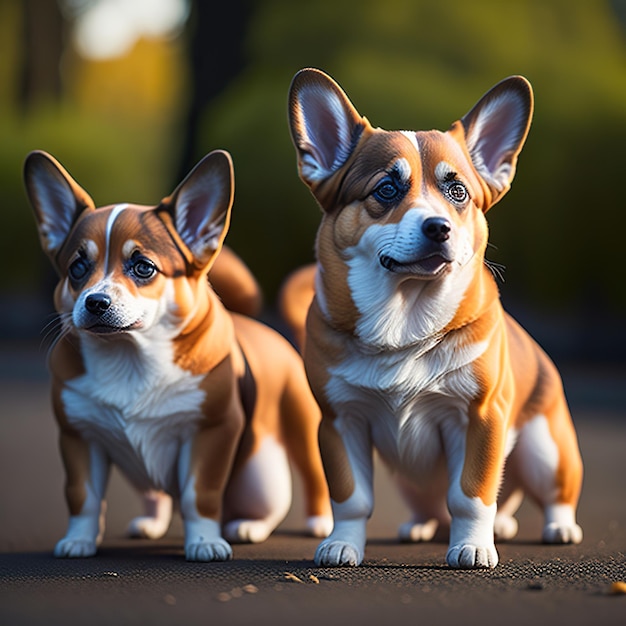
433, 255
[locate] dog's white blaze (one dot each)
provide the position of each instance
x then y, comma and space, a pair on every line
109, 229
137, 404
412, 137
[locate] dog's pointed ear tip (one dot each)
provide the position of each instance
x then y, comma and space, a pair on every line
218, 158
305, 73
309, 76
35, 157
519, 83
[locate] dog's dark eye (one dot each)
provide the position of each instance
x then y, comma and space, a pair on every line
386, 191
389, 191
142, 268
79, 269
457, 192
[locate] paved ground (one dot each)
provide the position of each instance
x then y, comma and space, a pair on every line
132, 582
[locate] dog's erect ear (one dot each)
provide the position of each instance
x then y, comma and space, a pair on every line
495, 131
56, 197
200, 206
325, 126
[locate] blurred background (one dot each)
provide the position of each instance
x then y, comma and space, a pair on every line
129, 94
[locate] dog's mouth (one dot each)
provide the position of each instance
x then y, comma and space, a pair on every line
429, 266
100, 328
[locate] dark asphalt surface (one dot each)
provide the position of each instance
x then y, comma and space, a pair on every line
141, 582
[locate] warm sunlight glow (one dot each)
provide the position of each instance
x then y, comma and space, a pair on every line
110, 28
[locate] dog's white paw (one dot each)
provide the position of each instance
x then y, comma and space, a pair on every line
74, 548
505, 527
247, 531
204, 542
156, 519
560, 525
206, 551
562, 533
319, 525
468, 556
84, 534
338, 554
411, 532
146, 527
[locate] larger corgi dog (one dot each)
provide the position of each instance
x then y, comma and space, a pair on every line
153, 374
407, 347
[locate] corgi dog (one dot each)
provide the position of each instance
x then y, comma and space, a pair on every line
407, 347
152, 373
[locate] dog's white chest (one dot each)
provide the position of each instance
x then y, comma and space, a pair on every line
140, 409
406, 398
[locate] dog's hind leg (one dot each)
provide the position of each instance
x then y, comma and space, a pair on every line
505, 525
300, 424
551, 470
156, 520
258, 496
428, 509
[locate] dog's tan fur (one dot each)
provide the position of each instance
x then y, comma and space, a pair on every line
407, 347
153, 373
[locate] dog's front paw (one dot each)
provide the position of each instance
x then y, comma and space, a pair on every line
74, 548
207, 551
469, 556
562, 533
412, 532
338, 554
204, 542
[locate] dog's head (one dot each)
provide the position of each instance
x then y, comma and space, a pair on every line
128, 268
403, 212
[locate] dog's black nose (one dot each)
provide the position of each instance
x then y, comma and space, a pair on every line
97, 303
437, 229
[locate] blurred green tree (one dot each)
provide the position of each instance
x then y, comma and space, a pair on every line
420, 64
128, 128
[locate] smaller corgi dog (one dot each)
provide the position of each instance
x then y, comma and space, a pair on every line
153, 374
407, 347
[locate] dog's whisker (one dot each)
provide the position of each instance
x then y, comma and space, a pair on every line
53, 331
497, 269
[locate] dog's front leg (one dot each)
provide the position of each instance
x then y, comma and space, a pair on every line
205, 462
346, 449
87, 470
475, 457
